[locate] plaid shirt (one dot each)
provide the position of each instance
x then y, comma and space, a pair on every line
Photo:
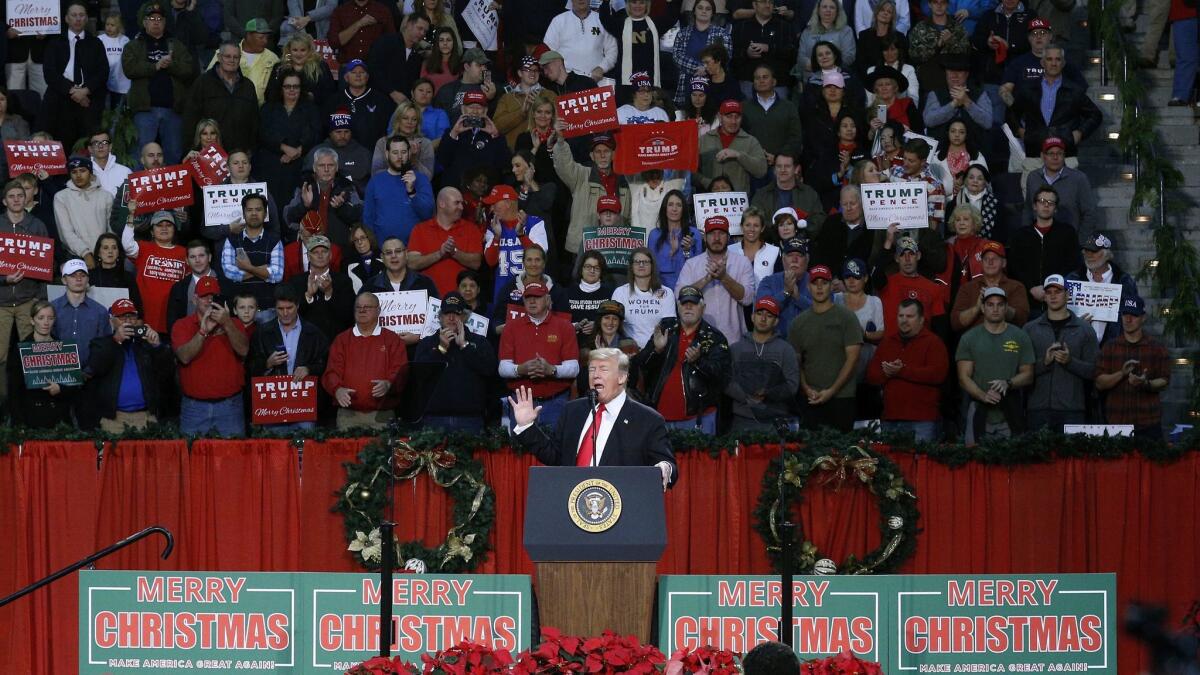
688, 65
1125, 403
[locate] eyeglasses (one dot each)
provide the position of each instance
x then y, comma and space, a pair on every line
291, 86
100, 144
592, 268
641, 262
1047, 202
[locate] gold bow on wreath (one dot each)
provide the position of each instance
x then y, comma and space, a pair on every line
838, 465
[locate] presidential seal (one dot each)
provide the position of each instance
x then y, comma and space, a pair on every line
594, 505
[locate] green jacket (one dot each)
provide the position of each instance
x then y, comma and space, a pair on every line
778, 129
750, 162
139, 69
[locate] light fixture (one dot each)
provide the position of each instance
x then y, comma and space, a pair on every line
1114, 135
1083, 23
1183, 361
1095, 60
1152, 263
1108, 97
1127, 175
1141, 219
1165, 311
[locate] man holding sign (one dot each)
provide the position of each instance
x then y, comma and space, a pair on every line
1098, 268
17, 292
288, 346
460, 395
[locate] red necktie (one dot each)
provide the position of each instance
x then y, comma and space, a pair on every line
588, 447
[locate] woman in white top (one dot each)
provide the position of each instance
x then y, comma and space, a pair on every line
114, 40
647, 301
762, 255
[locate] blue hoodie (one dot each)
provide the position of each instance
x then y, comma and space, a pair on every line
390, 211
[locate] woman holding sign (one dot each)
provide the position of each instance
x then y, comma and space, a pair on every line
43, 407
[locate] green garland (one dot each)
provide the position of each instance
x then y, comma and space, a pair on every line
783, 486
1175, 271
366, 496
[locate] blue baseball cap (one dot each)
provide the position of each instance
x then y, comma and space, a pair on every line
1133, 305
854, 267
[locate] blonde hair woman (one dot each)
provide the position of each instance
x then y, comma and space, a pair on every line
300, 55
406, 122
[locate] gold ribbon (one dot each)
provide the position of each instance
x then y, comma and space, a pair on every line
838, 465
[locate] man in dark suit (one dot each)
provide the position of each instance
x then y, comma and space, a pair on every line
1072, 117
629, 433
76, 71
288, 346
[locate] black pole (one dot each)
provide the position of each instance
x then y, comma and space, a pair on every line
385, 584
785, 567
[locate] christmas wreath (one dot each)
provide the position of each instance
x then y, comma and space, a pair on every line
782, 489
367, 494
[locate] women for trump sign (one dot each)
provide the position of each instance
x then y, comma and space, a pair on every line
903, 203
665, 145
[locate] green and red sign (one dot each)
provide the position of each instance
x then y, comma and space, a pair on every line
917, 624
287, 622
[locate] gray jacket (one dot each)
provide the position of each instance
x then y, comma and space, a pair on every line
27, 289
775, 372
1057, 386
1076, 199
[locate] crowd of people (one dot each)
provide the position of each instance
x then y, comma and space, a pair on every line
423, 161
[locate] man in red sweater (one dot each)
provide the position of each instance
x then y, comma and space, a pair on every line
539, 350
911, 365
366, 369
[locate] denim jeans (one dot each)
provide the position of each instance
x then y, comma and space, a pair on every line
921, 431
162, 125
454, 423
552, 409
706, 423
1187, 53
291, 426
223, 416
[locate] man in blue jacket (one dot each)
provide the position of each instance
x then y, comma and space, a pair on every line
399, 198
789, 288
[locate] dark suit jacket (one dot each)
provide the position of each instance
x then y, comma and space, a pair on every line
1073, 111
94, 64
311, 351
639, 438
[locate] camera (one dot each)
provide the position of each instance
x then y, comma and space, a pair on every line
139, 332
472, 122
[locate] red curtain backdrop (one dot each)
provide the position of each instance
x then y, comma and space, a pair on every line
261, 504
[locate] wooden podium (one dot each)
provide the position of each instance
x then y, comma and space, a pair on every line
596, 534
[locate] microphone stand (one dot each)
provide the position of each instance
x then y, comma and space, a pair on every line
785, 567
388, 563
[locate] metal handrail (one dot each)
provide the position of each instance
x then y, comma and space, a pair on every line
88, 561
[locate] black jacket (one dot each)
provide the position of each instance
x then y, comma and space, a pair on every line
391, 70
832, 246
1073, 111
703, 381
463, 388
311, 350
1031, 257
1012, 29
369, 113
235, 111
92, 59
639, 437
330, 316
107, 363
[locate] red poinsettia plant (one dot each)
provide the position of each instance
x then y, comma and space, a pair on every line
844, 663
468, 658
704, 660
605, 655
382, 665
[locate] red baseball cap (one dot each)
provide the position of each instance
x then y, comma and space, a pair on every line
474, 97
498, 193
608, 203
820, 272
729, 107
768, 303
992, 247
122, 307
535, 290
716, 223
1040, 24
207, 286
1053, 142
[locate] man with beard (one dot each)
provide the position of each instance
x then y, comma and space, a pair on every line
398, 198
1098, 267
727, 281
827, 339
789, 288
910, 365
